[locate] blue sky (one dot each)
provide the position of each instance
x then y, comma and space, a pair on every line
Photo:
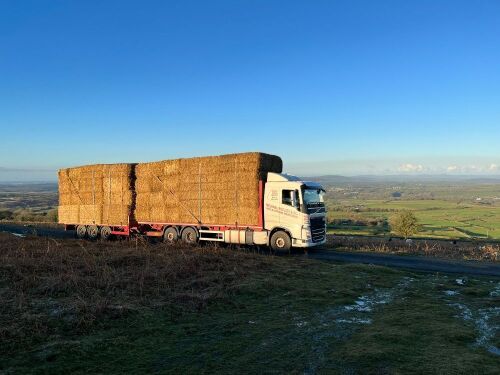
347, 87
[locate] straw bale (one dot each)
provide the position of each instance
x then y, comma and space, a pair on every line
116, 214
170, 190
90, 214
167, 191
96, 194
69, 213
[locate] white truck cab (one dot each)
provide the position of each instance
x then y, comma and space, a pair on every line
295, 209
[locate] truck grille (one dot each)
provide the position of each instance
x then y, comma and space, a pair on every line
318, 231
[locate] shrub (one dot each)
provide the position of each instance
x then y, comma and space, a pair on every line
6, 215
51, 216
404, 224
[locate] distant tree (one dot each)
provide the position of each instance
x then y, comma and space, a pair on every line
23, 214
397, 194
404, 224
52, 215
6, 215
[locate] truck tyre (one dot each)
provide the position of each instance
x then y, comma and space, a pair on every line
280, 241
105, 233
81, 231
93, 232
189, 236
170, 235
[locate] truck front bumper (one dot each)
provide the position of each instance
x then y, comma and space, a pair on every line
307, 243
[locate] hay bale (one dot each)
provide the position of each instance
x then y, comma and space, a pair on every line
99, 194
208, 190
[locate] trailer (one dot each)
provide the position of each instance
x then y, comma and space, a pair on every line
189, 200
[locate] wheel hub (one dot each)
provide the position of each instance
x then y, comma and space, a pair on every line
280, 242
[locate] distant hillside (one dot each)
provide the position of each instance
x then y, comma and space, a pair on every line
20, 187
389, 179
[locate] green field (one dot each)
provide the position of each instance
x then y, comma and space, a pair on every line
439, 218
445, 209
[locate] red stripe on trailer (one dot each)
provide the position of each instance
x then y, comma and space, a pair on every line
154, 234
122, 230
159, 226
261, 204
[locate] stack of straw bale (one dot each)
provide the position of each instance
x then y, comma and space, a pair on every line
204, 190
99, 194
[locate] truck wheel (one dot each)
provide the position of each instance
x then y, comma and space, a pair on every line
105, 233
93, 232
280, 241
81, 231
189, 236
170, 235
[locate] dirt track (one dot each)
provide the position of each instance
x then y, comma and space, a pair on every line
326, 253
409, 262
42, 230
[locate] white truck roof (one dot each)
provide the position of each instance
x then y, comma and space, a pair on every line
281, 177
284, 177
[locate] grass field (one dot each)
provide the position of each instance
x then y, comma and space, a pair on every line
28, 201
439, 218
131, 307
448, 208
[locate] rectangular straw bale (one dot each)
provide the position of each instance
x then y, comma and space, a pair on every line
116, 214
100, 194
170, 190
90, 214
69, 213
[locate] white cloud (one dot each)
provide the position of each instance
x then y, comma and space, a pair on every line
473, 169
409, 167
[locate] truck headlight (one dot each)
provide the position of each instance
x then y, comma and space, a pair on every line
306, 232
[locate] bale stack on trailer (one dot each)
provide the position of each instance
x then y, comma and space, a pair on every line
222, 190
100, 194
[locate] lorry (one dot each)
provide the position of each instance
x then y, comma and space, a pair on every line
238, 199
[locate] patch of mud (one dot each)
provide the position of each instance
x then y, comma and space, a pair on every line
354, 321
485, 321
465, 312
50, 351
16, 234
496, 291
487, 329
342, 321
368, 303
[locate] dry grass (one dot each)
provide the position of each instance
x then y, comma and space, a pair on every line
76, 283
442, 249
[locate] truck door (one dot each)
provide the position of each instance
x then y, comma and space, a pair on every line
288, 211
272, 206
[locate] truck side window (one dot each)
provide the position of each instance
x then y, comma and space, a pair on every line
286, 197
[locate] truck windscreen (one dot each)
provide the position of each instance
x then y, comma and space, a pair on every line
313, 197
